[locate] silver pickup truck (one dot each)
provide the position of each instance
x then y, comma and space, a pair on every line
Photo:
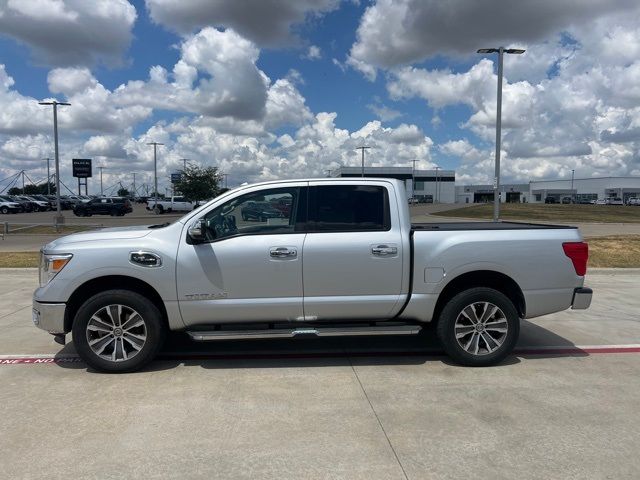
341, 258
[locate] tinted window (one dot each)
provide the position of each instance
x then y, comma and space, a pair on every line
349, 208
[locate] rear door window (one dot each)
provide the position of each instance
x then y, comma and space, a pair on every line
348, 208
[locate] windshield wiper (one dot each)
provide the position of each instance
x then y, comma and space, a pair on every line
160, 225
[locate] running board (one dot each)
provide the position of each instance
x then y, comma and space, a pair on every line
303, 332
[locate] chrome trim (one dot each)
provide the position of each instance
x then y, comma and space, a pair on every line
49, 316
313, 331
145, 252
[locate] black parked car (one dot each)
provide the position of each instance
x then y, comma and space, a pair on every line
260, 211
114, 206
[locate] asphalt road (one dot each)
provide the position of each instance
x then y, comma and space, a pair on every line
330, 408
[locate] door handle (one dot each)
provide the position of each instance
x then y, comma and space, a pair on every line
283, 252
384, 250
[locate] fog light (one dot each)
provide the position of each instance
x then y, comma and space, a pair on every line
35, 315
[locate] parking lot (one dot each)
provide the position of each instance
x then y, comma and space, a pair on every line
565, 406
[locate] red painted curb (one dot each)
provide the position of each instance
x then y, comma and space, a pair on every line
592, 350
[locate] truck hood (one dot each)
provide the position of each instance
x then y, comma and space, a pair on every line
100, 235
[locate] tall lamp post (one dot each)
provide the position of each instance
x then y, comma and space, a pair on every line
573, 198
363, 148
496, 180
436, 196
155, 173
58, 219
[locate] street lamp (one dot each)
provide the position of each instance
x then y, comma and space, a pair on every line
436, 196
496, 180
59, 219
363, 148
155, 173
573, 199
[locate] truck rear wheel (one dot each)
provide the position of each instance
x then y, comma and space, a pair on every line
118, 331
479, 327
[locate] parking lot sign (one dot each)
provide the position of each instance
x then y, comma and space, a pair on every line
176, 177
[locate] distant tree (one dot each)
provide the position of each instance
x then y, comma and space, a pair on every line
123, 192
15, 191
221, 191
198, 183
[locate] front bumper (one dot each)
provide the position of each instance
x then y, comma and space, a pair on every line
581, 298
49, 316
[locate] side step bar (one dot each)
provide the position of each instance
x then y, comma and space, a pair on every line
303, 332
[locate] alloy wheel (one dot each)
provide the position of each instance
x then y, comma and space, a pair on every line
481, 328
116, 333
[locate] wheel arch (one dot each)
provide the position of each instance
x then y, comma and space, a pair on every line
111, 282
482, 278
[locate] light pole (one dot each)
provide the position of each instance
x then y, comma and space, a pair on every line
436, 196
58, 219
101, 168
496, 180
363, 148
413, 178
573, 200
155, 173
328, 170
185, 161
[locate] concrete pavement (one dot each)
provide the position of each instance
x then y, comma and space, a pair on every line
369, 408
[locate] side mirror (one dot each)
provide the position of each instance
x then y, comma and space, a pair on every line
196, 231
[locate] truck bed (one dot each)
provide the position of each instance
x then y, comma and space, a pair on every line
456, 226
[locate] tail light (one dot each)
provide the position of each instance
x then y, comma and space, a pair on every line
578, 252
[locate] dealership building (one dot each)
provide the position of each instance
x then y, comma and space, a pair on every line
509, 193
585, 189
437, 186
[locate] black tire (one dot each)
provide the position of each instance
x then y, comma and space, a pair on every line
446, 328
78, 213
4, 210
113, 213
154, 325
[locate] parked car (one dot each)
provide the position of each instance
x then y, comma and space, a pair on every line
174, 204
114, 206
40, 205
260, 211
614, 201
633, 201
600, 201
8, 206
367, 271
550, 200
27, 205
566, 200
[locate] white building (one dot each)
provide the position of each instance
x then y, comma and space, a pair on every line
585, 189
433, 186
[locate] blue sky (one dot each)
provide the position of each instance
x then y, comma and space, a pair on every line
236, 88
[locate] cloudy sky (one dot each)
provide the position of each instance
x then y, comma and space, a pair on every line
268, 89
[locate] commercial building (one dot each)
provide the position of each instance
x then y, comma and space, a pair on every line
509, 193
584, 190
431, 186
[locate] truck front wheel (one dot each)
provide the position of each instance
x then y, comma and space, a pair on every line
479, 327
118, 331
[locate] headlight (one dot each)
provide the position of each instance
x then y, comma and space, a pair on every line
50, 265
